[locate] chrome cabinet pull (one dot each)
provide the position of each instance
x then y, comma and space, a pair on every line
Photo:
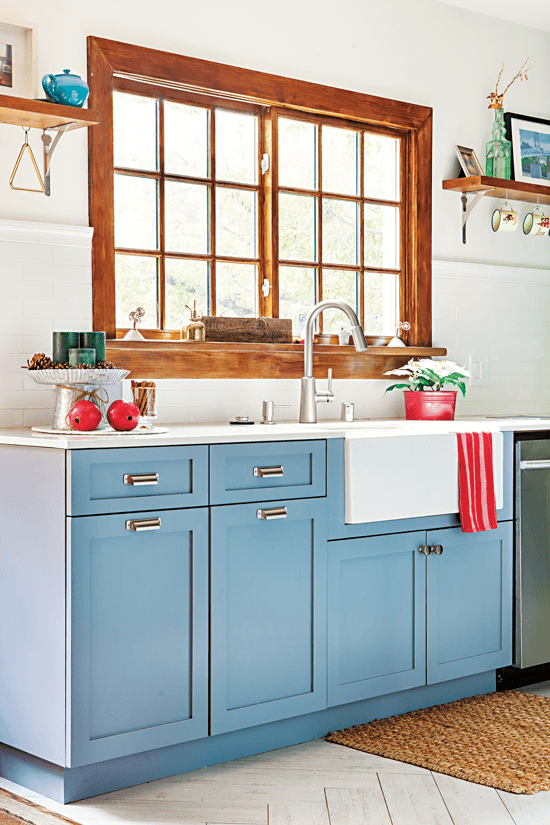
438, 549
535, 465
268, 472
425, 548
138, 525
275, 512
141, 479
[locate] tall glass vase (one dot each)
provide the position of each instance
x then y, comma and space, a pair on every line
498, 152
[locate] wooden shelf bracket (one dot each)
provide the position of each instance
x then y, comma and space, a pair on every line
49, 148
467, 208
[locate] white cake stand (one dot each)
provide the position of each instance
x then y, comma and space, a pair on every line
70, 384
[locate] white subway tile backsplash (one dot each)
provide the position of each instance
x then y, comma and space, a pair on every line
45, 284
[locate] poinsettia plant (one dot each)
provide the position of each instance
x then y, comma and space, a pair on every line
430, 376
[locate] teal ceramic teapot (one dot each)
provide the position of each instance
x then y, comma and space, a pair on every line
68, 89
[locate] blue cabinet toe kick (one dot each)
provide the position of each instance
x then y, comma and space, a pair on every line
71, 784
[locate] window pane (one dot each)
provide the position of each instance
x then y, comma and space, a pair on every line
382, 236
136, 285
297, 228
187, 217
382, 167
381, 303
135, 131
136, 213
186, 140
338, 285
340, 161
236, 290
297, 154
185, 282
236, 146
297, 294
340, 235
236, 222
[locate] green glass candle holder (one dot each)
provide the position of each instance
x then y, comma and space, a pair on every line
82, 355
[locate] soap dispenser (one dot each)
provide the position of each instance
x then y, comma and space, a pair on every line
195, 329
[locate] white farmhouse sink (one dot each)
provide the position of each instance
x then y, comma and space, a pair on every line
408, 471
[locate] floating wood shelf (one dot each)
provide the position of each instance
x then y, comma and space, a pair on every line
40, 114
480, 185
189, 359
499, 188
50, 117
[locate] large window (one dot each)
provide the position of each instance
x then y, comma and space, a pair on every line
254, 196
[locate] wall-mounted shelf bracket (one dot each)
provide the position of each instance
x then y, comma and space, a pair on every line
49, 148
467, 208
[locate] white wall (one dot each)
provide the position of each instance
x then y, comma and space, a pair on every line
420, 51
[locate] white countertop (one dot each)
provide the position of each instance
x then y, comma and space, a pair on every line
181, 434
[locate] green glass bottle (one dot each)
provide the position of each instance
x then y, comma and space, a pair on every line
498, 152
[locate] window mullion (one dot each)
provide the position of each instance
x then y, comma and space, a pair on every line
361, 284
161, 222
320, 220
212, 228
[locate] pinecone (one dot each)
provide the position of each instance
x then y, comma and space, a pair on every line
106, 365
40, 361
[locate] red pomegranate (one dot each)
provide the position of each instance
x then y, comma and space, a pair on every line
123, 415
84, 416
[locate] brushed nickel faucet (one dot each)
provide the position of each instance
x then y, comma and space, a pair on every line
308, 393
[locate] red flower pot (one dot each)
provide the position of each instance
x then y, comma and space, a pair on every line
430, 406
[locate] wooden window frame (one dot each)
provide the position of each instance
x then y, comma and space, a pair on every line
114, 66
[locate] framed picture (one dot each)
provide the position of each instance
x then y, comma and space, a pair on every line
18, 53
530, 138
468, 161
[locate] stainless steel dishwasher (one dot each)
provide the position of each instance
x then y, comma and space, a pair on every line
532, 557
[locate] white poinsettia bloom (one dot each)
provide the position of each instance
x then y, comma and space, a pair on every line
399, 372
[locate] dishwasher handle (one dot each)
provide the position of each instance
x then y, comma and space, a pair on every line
543, 464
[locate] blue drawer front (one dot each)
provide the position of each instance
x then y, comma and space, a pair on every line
233, 480
98, 486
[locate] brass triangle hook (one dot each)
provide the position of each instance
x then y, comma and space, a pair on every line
17, 164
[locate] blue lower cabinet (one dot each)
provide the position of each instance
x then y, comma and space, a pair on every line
138, 619
469, 616
268, 612
376, 616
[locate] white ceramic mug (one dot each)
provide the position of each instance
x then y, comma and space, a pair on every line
504, 219
536, 222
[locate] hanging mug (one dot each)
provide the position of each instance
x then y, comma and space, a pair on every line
504, 219
536, 222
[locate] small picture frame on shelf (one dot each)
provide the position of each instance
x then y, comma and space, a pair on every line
530, 138
468, 161
18, 55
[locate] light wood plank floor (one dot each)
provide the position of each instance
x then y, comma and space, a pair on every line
316, 783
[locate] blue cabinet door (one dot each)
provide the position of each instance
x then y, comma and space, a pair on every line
268, 613
138, 620
376, 616
469, 612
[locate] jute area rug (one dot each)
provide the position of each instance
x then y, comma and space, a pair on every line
501, 740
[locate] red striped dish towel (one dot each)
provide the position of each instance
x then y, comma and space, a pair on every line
476, 486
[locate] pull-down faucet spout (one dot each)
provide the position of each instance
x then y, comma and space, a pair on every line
308, 394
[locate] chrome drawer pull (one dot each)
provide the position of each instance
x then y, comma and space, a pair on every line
141, 479
143, 524
425, 548
534, 465
268, 472
275, 512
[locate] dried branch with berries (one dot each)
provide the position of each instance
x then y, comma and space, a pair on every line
497, 100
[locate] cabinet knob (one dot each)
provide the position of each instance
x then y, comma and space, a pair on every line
438, 549
274, 512
425, 548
